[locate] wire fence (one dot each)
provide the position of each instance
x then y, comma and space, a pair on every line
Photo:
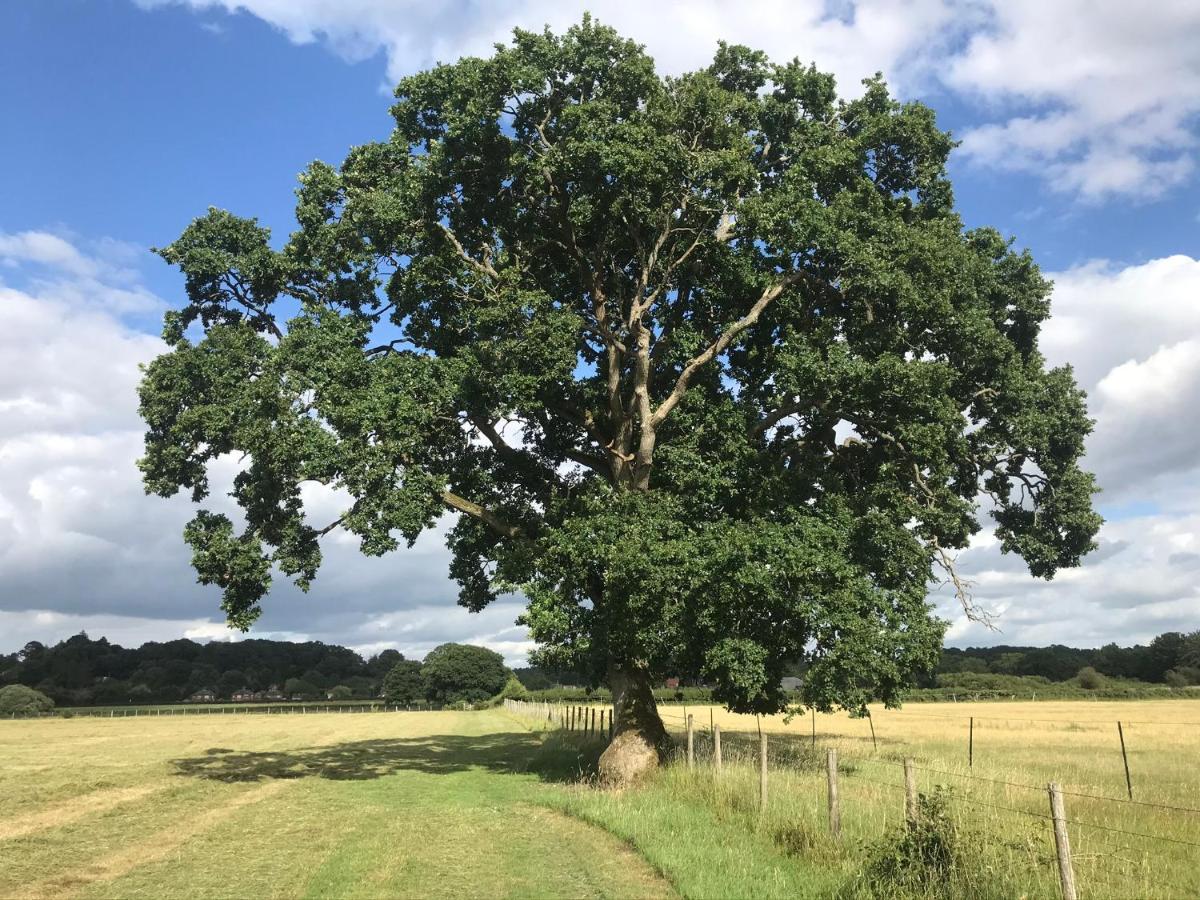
1074, 843
248, 708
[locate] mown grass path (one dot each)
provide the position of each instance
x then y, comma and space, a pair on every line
397, 805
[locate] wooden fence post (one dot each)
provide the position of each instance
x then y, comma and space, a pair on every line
762, 772
1125, 759
691, 756
871, 721
602, 712
593, 728
717, 747
1062, 842
971, 744
814, 728
910, 793
835, 812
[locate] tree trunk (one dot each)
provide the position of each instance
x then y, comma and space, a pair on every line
640, 742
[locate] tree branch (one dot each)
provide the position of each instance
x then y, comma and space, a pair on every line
718, 346
475, 511
962, 588
484, 268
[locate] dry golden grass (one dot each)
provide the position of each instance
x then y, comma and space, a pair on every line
1121, 849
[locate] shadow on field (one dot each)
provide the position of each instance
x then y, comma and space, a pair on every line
550, 758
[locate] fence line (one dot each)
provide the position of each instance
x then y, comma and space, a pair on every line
129, 712
1032, 787
1095, 874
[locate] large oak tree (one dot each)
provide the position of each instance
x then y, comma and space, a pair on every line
708, 368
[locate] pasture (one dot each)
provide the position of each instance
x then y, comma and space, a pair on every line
994, 793
389, 804
495, 804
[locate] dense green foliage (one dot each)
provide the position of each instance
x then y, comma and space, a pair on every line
919, 858
458, 673
17, 699
81, 671
513, 689
403, 683
1170, 652
708, 366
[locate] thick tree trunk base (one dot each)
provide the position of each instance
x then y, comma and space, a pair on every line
628, 759
640, 742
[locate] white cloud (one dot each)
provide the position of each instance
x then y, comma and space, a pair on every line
1133, 336
681, 34
1116, 86
83, 547
1098, 97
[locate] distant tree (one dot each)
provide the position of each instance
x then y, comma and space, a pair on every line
534, 679
341, 692
513, 689
381, 664
1089, 679
1184, 676
1189, 654
363, 686
1008, 663
294, 687
1056, 662
23, 700
229, 682
963, 663
1118, 662
403, 683
1165, 652
111, 691
456, 672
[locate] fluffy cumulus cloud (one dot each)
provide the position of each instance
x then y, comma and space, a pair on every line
1097, 96
82, 547
1105, 93
1133, 336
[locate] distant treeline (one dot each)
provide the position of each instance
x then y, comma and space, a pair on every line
80, 671
1171, 659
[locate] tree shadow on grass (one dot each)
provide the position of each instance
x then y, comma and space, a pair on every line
551, 757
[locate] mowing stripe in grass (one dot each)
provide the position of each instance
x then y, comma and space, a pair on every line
160, 845
74, 809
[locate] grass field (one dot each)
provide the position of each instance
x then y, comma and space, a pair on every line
490, 804
998, 804
390, 804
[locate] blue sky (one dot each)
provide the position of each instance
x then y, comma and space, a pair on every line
123, 120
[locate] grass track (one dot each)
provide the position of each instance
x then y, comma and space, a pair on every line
397, 805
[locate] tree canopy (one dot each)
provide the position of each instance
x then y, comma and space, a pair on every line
708, 367
403, 684
457, 673
17, 699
